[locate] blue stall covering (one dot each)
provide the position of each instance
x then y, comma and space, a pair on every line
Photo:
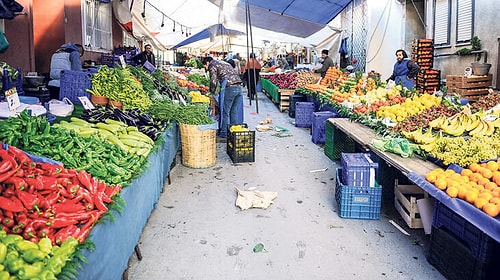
115, 241
209, 32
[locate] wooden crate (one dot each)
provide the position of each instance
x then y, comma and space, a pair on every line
405, 202
469, 82
471, 92
285, 98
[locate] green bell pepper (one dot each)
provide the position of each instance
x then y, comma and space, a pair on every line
33, 255
4, 275
29, 271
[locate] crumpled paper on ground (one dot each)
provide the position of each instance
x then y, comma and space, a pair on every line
254, 199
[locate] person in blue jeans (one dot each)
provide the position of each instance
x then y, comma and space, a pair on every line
219, 71
405, 70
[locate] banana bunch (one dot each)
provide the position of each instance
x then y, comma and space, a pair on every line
128, 138
457, 125
425, 140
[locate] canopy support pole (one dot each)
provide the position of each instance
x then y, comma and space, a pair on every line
248, 22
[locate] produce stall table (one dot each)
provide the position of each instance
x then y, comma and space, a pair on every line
415, 170
364, 135
115, 241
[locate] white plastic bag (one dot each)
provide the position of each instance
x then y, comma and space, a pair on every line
61, 108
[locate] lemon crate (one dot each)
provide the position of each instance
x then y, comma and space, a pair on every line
357, 202
337, 142
241, 145
358, 169
454, 259
482, 247
75, 84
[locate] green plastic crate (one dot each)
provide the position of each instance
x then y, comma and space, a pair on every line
337, 142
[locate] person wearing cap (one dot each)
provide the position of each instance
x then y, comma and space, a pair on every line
220, 71
405, 70
327, 63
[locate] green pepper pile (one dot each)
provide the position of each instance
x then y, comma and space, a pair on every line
23, 259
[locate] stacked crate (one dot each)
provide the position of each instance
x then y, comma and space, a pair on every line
428, 81
470, 87
357, 193
422, 53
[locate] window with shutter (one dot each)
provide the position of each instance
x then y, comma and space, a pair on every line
97, 20
442, 22
465, 17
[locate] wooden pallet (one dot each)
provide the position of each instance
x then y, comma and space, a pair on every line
285, 99
469, 82
405, 202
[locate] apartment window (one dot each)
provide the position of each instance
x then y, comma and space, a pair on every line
97, 20
442, 14
465, 17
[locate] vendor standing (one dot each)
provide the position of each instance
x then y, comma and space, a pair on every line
221, 71
67, 57
327, 63
146, 55
405, 70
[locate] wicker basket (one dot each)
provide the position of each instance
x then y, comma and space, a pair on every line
198, 146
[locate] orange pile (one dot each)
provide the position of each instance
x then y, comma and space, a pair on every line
479, 185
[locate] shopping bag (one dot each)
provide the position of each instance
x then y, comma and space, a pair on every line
61, 108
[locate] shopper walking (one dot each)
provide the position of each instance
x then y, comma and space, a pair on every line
405, 70
146, 55
326, 64
67, 57
219, 72
252, 75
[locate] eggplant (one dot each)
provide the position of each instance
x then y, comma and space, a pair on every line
145, 119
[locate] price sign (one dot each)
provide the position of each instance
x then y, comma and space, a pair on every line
12, 99
87, 105
122, 61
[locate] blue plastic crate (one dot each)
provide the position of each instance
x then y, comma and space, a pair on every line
358, 169
303, 114
483, 247
357, 202
75, 84
319, 125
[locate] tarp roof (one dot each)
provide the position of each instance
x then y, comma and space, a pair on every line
306, 22
210, 32
300, 18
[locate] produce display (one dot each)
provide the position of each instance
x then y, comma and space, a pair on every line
478, 184
49, 204
118, 84
287, 80
103, 160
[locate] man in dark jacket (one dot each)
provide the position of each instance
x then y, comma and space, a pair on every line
327, 63
146, 55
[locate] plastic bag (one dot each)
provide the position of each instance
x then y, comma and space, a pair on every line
60, 108
400, 146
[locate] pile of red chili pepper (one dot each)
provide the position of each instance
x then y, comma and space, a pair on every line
40, 200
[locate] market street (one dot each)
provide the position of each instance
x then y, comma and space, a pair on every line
197, 231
